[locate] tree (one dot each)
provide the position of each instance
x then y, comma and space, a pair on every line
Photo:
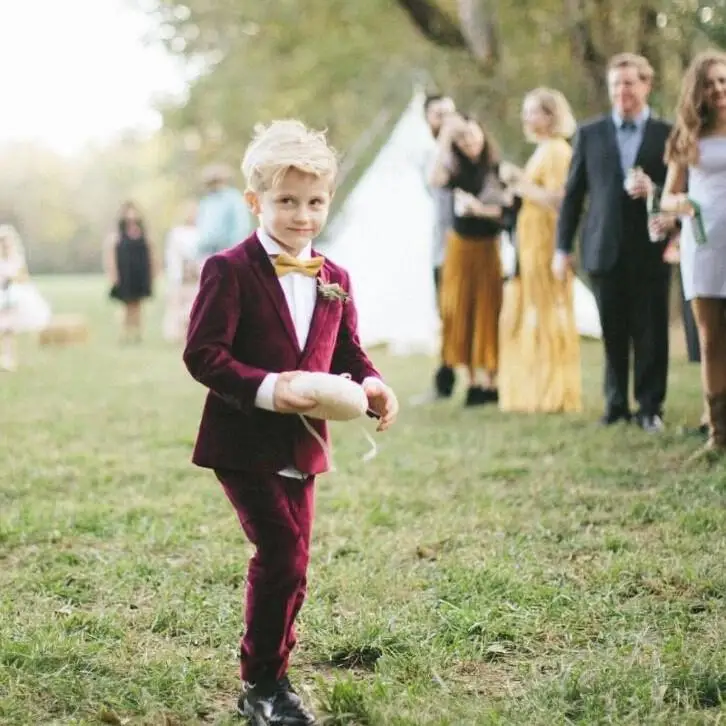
339, 64
64, 207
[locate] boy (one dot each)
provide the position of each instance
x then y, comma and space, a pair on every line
259, 318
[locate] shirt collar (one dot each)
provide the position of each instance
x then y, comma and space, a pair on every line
639, 120
272, 248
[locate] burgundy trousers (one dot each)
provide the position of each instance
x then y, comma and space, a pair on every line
276, 513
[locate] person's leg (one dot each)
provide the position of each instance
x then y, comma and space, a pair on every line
690, 329
649, 331
8, 351
456, 312
134, 320
276, 514
487, 307
710, 315
610, 291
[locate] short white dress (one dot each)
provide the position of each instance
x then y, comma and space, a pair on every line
703, 267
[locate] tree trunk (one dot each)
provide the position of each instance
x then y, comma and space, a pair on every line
434, 23
586, 54
650, 44
477, 20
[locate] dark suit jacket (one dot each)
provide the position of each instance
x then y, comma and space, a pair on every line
240, 330
614, 224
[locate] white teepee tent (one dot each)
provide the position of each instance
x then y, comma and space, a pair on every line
383, 236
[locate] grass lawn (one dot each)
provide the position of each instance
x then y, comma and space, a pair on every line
483, 569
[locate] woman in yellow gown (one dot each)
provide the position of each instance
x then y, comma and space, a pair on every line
539, 343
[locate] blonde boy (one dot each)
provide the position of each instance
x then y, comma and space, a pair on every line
258, 320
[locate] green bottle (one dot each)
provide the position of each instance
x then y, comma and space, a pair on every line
653, 207
697, 226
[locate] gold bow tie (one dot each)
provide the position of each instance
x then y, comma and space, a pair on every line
284, 264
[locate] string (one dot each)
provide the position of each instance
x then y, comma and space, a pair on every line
368, 456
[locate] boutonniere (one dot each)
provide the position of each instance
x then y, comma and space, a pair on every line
332, 291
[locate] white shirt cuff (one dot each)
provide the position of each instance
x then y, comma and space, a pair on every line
265, 397
372, 379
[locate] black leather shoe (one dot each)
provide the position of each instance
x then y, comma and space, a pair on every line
612, 417
273, 704
652, 423
477, 396
444, 381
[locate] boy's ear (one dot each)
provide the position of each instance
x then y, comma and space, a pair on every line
253, 201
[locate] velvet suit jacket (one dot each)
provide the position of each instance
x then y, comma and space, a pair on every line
240, 330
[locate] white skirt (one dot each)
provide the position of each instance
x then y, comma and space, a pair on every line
23, 309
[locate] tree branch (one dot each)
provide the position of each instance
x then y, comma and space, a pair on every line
649, 42
434, 23
586, 52
478, 25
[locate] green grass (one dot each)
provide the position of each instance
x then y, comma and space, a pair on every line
483, 569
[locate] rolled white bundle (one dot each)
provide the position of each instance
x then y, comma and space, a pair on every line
338, 397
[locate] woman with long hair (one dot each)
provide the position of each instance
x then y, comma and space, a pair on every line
471, 276
696, 156
130, 267
539, 342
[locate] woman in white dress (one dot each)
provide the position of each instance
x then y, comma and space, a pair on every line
22, 308
696, 156
182, 274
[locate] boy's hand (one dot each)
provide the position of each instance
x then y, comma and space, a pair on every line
383, 402
284, 400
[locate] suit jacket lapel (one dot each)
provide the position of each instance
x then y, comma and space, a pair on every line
645, 144
321, 311
265, 273
611, 141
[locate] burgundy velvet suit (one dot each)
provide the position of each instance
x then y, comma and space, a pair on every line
240, 330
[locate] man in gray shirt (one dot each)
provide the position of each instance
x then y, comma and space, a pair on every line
436, 109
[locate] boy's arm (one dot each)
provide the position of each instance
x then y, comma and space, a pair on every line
212, 327
349, 356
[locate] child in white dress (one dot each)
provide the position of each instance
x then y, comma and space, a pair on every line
182, 275
21, 306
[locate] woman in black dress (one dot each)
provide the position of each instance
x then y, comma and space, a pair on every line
129, 265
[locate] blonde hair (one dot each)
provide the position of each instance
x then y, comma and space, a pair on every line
554, 104
632, 60
693, 115
286, 145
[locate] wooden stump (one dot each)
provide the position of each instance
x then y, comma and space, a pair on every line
64, 330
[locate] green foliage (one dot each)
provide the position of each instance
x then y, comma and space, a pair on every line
339, 65
336, 63
65, 206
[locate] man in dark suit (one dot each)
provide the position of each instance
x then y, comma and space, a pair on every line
616, 160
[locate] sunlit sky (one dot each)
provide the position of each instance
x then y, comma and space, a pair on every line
75, 71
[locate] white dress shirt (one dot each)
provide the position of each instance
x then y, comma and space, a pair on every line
300, 294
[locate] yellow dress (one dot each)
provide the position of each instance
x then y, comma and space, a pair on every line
538, 340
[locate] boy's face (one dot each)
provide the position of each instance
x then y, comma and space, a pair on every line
293, 212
